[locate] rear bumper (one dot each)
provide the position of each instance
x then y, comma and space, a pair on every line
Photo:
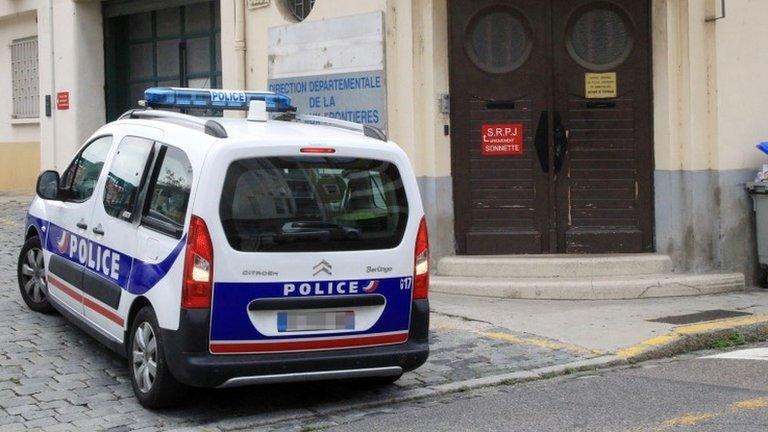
191, 363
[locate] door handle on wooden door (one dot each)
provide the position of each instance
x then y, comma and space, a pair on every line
540, 141
561, 142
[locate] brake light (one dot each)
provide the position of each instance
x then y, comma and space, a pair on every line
198, 267
421, 263
317, 150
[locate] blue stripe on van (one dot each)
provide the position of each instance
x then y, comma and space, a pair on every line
131, 274
230, 319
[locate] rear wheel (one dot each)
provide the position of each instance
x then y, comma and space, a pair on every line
153, 383
31, 276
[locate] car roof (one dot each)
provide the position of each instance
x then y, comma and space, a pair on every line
240, 130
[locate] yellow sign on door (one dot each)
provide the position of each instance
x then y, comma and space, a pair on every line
600, 85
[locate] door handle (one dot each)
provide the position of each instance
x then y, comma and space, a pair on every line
561, 143
540, 141
82, 225
98, 230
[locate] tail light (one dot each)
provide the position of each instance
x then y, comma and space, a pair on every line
421, 263
198, 267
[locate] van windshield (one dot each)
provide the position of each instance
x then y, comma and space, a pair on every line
302, 204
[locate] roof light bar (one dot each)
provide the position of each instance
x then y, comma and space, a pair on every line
175, 97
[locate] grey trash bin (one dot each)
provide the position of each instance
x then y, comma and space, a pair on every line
759, 193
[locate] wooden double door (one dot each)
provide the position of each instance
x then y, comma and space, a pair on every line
551, 126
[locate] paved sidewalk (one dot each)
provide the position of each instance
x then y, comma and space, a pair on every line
606, 326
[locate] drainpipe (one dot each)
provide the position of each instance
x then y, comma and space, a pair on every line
52, 118
240, 44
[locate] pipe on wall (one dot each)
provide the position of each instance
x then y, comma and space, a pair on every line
240, 47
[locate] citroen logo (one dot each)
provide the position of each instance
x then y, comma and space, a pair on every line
323, 267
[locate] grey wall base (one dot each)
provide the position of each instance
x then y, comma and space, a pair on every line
705, 222
437, 197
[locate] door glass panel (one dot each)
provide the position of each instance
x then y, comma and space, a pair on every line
168, 22
600, 38
168, 58
498, 41
169, 195
198, 55
83, 174
125, 174
197, 18
140, 26
141, 60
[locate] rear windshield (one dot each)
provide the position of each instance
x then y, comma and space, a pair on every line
300, 204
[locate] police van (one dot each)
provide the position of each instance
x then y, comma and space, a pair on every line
221, 252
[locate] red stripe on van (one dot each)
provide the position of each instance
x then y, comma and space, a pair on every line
90, 304
308, 345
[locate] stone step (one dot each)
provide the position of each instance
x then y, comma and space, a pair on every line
547, 266
591, 288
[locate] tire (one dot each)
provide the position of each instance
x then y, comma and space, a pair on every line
145, 346
30, 272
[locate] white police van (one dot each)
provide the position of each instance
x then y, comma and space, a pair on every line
226, 252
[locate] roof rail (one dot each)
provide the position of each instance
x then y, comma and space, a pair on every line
369, 131
211, 127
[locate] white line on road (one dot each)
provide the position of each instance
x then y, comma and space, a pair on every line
747, 354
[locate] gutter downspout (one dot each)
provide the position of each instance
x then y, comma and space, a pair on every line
53, 85
240, 44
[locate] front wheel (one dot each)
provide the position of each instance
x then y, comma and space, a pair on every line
153, 383
31, 276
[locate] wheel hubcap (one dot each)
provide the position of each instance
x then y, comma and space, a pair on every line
144, 357
33, 275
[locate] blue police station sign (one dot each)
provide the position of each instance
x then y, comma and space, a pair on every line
333, 68
356, 96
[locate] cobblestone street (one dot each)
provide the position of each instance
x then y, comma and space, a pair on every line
55, 377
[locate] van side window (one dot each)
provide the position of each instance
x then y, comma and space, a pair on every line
169, 192
83, 173
125, 175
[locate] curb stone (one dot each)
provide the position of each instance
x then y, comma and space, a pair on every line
694, 337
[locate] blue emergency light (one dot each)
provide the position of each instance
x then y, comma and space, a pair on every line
173, 97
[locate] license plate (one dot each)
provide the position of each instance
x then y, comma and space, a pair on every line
315, 321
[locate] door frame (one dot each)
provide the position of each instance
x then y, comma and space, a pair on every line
647, 158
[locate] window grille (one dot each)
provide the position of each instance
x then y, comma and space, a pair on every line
24, 75
301, 8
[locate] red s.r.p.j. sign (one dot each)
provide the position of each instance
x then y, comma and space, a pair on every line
502, 139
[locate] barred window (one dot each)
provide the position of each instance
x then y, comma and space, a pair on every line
300, 8
26, 96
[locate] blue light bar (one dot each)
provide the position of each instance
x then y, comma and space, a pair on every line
174, 97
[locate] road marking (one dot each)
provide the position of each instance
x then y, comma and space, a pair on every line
694, 419
678, 333
687, 420
540, 342
442, 322
745, 354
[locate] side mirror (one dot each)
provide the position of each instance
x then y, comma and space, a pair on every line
48, 185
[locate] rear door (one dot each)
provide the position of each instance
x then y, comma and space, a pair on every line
113, 229
66, 241
313, 253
